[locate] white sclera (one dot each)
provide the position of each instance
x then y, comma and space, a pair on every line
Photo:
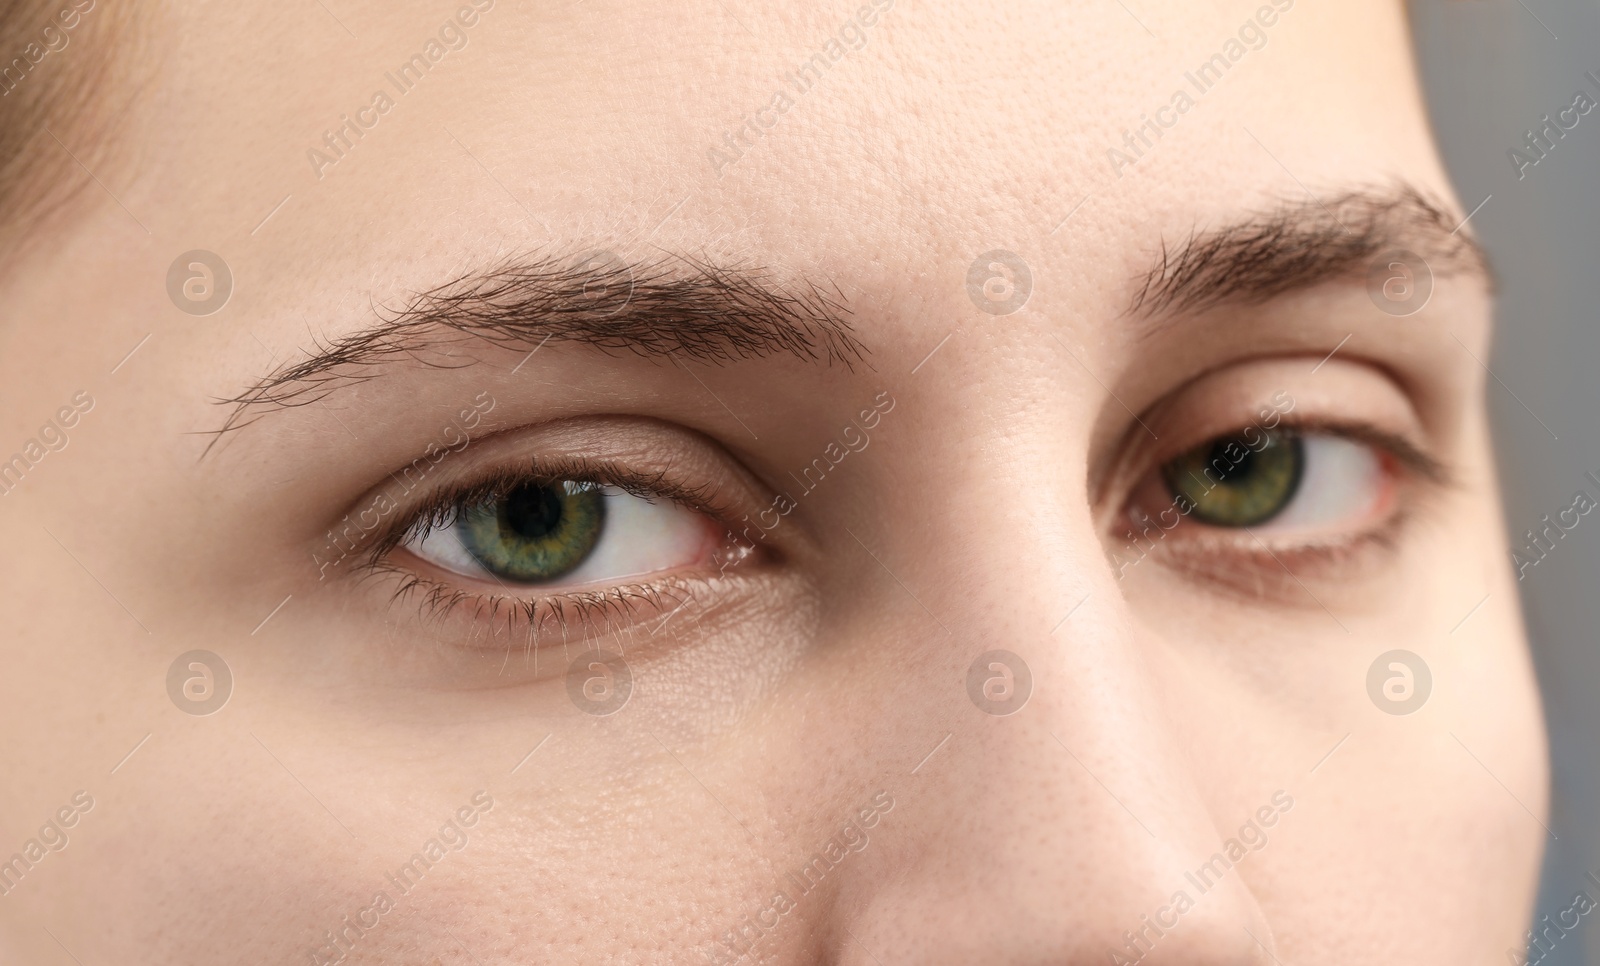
1341, 481
637, 538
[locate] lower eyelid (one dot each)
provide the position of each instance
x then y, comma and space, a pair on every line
1254, 569
467, 620
681, 538
1207, 545
1258, 566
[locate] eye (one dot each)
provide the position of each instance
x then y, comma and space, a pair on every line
571, 532
1279, 480
1228, 483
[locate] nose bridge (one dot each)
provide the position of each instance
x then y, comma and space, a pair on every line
1063, 825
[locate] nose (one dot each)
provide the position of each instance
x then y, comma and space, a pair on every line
1070, 827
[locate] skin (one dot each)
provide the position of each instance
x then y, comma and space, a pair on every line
1168, 705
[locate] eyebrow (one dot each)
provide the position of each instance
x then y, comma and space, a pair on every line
1295, 245
667, 306
680, 305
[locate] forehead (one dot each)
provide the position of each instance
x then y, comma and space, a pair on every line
853, 140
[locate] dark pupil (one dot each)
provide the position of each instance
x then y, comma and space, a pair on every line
535, 531
1236, 474
532, 512
1228, 483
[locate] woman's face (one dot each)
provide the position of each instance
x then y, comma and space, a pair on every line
891, 483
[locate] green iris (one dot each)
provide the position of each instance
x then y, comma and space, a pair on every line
536, 532
1229, 483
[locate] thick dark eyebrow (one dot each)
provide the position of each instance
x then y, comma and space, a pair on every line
1295, 245
672, 305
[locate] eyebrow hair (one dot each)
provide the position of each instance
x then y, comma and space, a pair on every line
666, 306
1295, 245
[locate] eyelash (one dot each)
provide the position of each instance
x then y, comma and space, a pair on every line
1406, 453
1241, 550
580, 612
574, 614
1410, 457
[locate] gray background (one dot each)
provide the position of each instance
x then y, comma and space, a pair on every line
1491, 68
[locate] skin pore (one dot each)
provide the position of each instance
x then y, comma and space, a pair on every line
840, 458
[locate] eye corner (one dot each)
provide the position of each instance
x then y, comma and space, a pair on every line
666, 532
1354, 489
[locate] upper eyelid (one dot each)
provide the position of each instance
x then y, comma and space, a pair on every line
1424, 465
434, 508
571, 609
1411, 456
646, 456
